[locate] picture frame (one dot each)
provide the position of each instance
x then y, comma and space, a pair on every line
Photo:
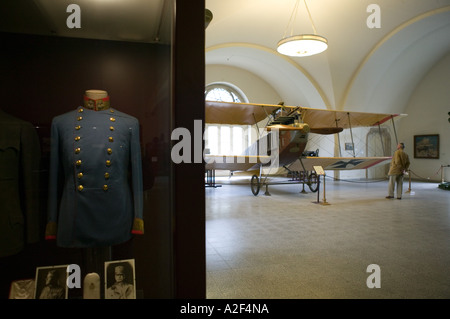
22, 289
349, 146
426, 146
51, 282
120, 279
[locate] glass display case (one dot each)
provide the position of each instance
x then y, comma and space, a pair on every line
152, 73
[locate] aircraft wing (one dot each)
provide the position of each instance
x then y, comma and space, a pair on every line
338, 163
237, 113
317, 119
321, 121
234, 162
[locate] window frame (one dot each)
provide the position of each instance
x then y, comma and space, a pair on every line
237, 96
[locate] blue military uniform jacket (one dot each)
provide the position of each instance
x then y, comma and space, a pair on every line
97, 155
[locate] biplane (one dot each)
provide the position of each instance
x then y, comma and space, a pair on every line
291, 125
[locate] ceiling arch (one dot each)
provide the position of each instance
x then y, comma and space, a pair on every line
364, 68
387, 76
294, 84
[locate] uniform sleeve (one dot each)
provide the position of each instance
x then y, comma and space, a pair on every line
137, 186
30, 163
51, 228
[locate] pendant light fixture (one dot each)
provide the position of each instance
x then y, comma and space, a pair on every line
208, 17
303, 44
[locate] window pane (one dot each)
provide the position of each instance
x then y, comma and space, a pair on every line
212, 140
219, 94
235, 97
225, 142
238, 140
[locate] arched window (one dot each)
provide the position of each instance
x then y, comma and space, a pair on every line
224, 92
222, 139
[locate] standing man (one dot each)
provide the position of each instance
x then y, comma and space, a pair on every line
399, 165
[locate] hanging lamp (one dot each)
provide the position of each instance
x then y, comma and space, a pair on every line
303, 44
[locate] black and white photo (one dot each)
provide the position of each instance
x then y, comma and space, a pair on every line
51, 282
120, 279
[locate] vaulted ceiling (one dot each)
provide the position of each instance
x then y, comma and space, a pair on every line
363, 68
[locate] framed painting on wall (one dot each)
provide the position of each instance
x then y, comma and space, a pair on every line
426, 146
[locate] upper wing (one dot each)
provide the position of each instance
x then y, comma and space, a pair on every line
320, 120
337, 163
237, 113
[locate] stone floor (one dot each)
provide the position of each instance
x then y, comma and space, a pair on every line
290, 245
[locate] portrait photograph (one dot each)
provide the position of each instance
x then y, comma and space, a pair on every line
51, 282
120, 280
426, 146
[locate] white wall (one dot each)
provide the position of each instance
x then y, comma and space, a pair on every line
427, 112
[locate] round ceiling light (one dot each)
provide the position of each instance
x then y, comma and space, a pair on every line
302, 45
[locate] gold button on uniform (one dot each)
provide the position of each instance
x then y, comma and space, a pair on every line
109, 151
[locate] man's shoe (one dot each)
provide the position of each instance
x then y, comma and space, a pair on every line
399, 198
389, 196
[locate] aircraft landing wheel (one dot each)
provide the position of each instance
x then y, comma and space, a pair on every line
313, 182
255, 185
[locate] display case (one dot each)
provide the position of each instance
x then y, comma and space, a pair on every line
148, 56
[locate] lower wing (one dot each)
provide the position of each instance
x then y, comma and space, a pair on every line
337, 163
235, 162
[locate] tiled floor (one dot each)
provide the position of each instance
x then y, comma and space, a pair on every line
290, 246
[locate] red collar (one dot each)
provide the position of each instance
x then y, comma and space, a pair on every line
97, 105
